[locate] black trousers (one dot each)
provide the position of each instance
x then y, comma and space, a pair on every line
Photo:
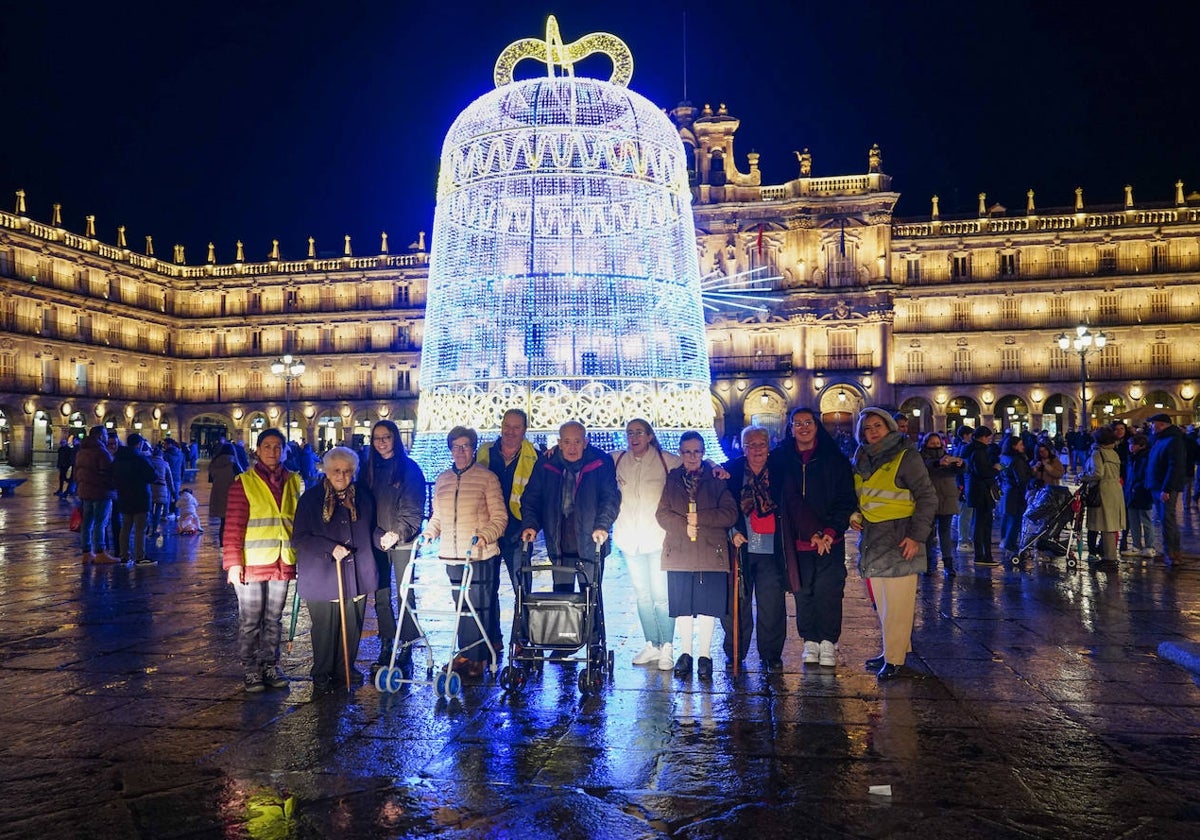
765, 586
326, 620
398, 560
819, 600
479, 593
981, 535
510, 551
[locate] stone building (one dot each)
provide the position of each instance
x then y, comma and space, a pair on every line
951, 319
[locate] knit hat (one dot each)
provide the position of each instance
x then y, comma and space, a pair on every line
885, 416
1160, 418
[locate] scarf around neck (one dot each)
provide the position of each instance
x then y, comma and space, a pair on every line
870, 457
756, 493
334, 499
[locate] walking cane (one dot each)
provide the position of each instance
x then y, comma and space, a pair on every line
295, 611
737, 596
345, 638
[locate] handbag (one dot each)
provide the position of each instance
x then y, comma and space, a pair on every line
1091, 494
994, 489
76, 521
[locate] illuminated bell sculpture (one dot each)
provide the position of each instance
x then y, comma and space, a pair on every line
563, 277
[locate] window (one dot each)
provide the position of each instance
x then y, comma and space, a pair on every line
1058, 309
167, 383
1109, 360
1060, 360
403, 341
1158, 257
49, 380
1010, 359
143, 380
912, 267
254, 385
914, 314
962, 364
1109, 308
8, 366
842, 343
366, 382
961, 312
114, 379
1058, 262
254, 306
1009, 310
83, 326
1107, 261
1008, 265
401, 299
1160, 303
81, 376
1160, 358
960, 267
328, 382
915, 365
403, 380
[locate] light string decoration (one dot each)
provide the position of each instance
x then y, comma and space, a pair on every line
563, 272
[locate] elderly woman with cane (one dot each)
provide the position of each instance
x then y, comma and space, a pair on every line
335, 567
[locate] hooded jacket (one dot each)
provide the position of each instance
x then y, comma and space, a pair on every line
1166, 471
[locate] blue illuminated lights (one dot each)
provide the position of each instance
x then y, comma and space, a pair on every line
563, 274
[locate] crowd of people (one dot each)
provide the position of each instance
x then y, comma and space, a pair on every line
703, 542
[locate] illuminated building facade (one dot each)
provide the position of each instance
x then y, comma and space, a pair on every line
955, 318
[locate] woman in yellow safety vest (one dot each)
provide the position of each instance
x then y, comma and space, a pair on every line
259, 559
896, 503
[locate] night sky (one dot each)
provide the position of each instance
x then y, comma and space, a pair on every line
263, 119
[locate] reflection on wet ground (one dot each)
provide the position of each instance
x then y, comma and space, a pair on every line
1047, 714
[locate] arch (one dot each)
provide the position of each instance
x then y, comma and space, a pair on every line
962, 411
5, 432
1012, 412
839, 404
329, 429
1058, 413
1104, 406
920, 414
766, 406
1159, 399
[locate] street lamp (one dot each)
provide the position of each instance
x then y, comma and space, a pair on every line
1084, 342
289, 368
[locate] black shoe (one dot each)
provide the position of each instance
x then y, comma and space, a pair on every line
950, 572
875, 663
683, 665
253, 684
986, 561
774, 666
272, 677
897, 672
704, 668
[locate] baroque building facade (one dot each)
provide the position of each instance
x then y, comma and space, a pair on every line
952, 320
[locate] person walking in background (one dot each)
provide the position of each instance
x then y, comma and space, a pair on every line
897, 503
222, 470
334, 535
696, 511
816, 498
966, 513
945, 471
642, 470
469, 516
259, 559
66, 461
398, 487
163, 492
94, 484
1138, 500
982, 491
1166, 476
132, 477
175, 459
1016, 473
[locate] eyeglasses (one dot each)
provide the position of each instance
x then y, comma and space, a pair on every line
634, 433
691, 451
383, 439
803, 424
461, 447
759, 445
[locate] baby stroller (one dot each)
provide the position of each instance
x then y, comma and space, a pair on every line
1050, 510
558, 624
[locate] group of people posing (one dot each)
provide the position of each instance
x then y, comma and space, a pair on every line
1135, 479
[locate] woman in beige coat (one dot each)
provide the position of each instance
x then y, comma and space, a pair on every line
1104, 468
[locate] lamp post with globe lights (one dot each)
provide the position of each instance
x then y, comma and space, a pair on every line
290, 368
1084, 342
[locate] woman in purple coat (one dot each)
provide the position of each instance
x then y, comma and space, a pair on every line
333, 523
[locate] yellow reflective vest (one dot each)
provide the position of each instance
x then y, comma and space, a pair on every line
879, 497
269, 526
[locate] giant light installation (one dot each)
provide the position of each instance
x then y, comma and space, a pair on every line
563, 277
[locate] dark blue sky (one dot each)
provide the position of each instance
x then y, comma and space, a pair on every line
263, 119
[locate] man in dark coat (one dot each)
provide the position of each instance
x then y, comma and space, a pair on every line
573, 497
1166, 477
132, 476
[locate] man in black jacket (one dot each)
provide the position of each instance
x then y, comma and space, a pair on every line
1166, 477
132, 476
573, 497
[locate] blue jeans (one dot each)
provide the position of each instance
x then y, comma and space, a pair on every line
1010, 532
1141, 528
95, 520
649, 583
1164, 512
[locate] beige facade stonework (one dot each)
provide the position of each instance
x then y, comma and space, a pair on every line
953, 320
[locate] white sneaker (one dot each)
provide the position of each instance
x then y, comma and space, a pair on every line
666, 658
1149, 551
812, 653
828, 655
650, 653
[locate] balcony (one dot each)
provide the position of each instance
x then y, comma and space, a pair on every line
823, 362
758, 363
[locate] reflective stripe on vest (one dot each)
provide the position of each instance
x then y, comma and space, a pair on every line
879, 497
269, 526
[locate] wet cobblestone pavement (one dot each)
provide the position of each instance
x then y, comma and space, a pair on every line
1048, 714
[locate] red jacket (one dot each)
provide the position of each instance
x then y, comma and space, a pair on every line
236, 516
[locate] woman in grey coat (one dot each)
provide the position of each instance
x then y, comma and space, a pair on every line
945, 471
897, 503
1104, 467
